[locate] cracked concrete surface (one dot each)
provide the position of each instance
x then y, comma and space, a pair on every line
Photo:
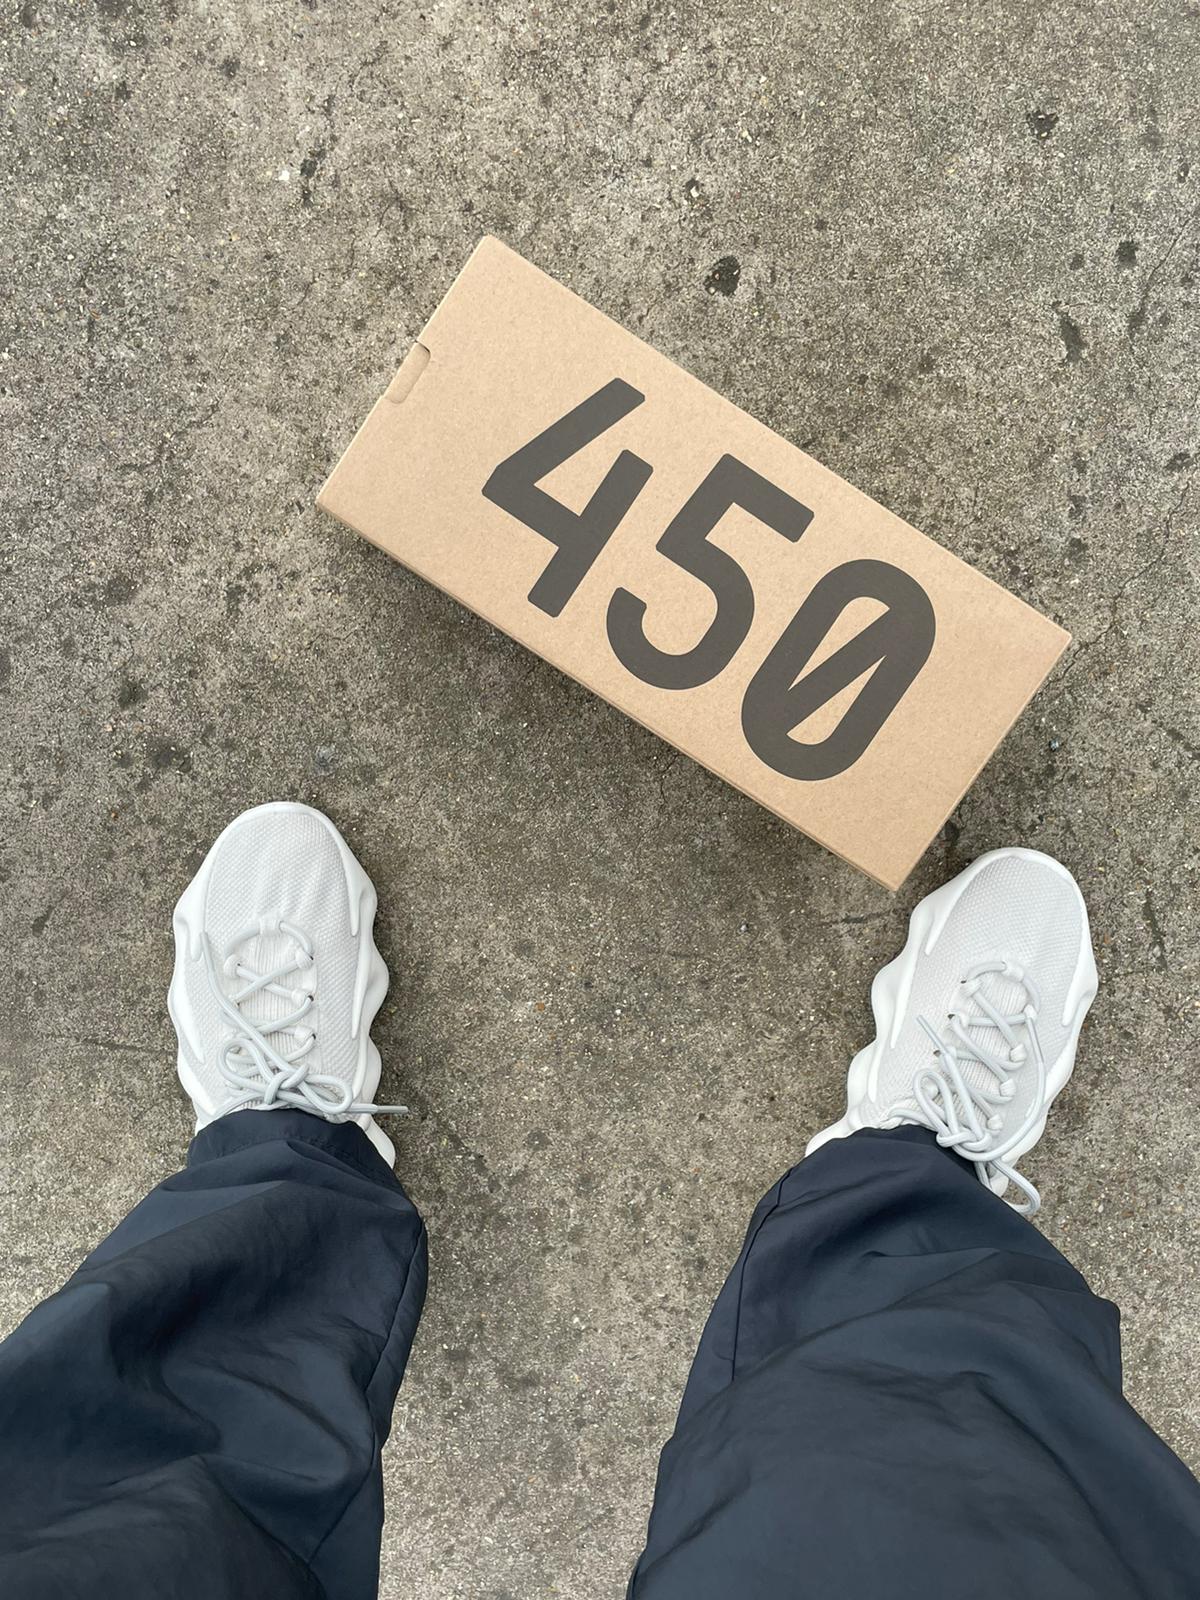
952, 251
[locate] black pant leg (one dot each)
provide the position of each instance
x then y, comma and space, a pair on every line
198, 1414
904, 1392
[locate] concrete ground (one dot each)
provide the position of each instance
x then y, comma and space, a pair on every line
952, 250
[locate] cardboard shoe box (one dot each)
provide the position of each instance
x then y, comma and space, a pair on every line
606, 509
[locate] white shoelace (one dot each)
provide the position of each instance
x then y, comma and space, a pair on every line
967, 1117
259, 1073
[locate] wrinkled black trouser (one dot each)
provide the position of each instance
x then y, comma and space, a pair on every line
903, 1393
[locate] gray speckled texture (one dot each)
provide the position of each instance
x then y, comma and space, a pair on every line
967, 242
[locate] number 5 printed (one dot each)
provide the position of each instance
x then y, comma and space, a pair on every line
730, 483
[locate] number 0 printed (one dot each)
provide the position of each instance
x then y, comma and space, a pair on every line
781, 695
896, 645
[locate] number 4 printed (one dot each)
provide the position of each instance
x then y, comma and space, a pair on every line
579, 535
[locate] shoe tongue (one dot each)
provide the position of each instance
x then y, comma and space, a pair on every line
1005, 995
263, 953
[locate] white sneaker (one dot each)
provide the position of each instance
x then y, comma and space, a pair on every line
277, 978
979, 1015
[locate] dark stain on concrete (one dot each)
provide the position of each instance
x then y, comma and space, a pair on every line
1158, 943
118, 590
1041, 123
309, 168
1069, 331
162, 756
723, 276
